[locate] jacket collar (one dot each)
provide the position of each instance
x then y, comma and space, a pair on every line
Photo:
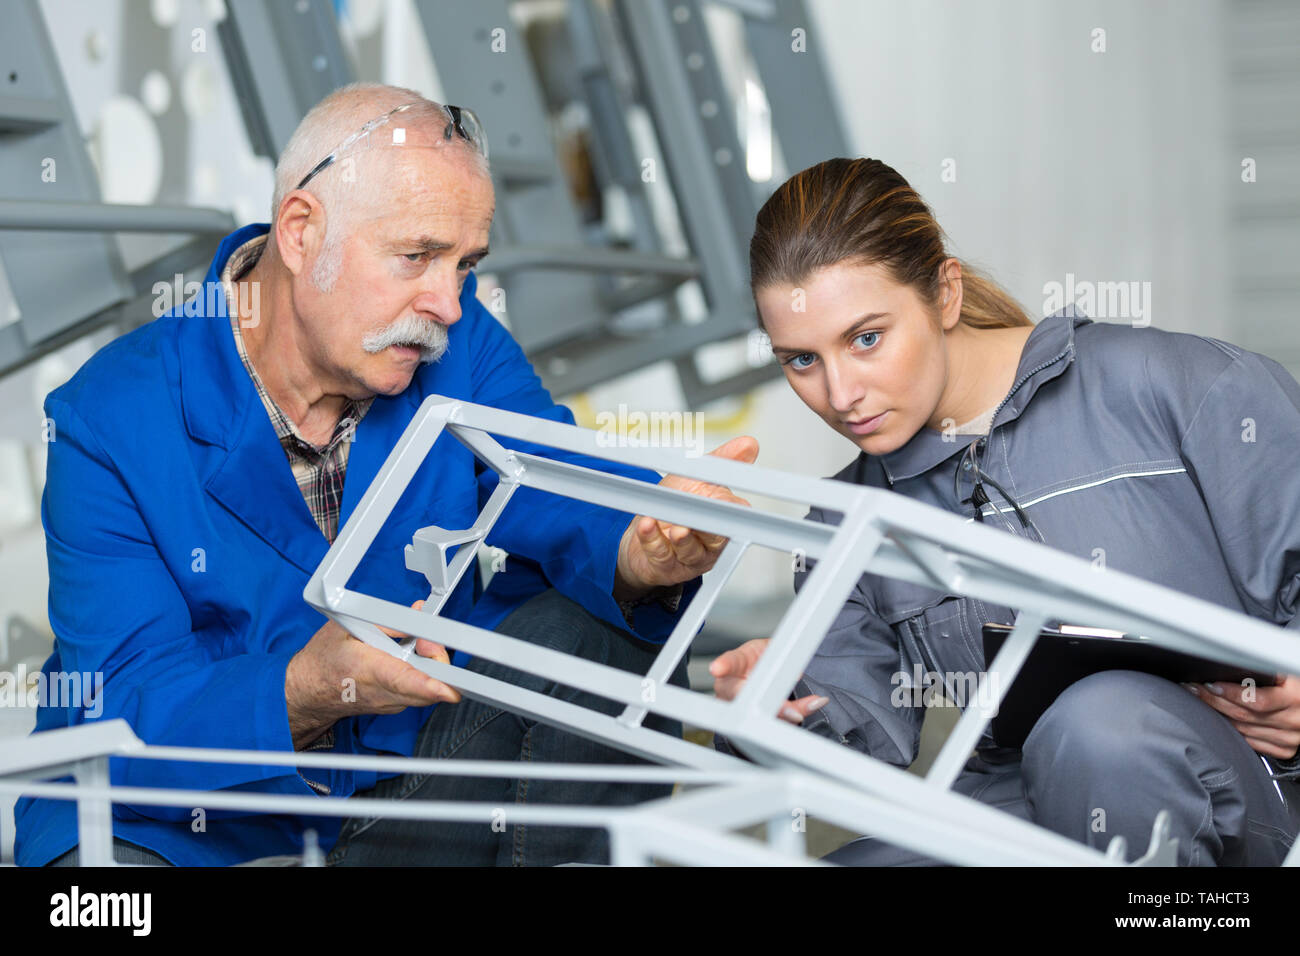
1048, 352
221, 407
209, 363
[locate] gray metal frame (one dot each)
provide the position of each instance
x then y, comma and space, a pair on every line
881, 533
37, 123
566, 293
691, 829
794, 770
50, 231
283, 58
564, 317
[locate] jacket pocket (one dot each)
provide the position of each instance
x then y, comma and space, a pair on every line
904, 608
940, 635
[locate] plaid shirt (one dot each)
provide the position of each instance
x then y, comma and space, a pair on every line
318, 469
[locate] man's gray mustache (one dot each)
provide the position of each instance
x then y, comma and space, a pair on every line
430, 337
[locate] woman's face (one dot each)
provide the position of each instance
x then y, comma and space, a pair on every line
862, 351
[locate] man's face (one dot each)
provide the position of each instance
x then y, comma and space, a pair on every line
400, 272
865, 353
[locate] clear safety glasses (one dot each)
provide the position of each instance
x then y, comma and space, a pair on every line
462, 122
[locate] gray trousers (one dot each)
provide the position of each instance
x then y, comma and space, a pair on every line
1110, 753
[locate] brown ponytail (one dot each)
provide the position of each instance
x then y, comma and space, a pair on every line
863, 211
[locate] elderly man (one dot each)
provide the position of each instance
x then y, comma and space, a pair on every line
180, 538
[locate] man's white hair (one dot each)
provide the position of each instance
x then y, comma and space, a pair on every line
326, 125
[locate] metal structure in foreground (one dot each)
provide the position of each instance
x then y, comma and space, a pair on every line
795, 773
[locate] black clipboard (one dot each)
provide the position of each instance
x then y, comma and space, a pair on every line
1059, 659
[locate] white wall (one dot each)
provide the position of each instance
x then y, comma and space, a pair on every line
1109, 165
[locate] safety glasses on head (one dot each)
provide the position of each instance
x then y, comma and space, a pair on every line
461, 121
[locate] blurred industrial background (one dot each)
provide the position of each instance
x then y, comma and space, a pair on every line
632, 142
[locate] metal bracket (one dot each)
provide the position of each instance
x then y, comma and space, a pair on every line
427, 554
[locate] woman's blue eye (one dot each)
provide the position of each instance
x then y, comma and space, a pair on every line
413, 256
797, 363
804, 360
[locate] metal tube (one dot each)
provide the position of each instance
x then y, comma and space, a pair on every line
111, 217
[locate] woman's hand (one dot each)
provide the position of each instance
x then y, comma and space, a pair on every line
732, 669
1270, 721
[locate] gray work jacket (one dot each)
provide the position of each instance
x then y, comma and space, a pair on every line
1169, 456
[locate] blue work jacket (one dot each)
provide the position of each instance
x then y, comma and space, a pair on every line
179, 545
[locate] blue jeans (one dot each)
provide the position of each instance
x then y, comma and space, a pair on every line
123, 852
472, 730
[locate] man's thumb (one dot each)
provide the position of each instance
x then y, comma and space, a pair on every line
741, 448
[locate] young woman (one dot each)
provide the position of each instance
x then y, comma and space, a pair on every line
1169, 456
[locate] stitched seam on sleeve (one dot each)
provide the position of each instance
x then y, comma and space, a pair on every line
1204, 398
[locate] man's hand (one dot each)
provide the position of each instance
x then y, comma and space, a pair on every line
1270, 722
732, 669
657, 554
336, 675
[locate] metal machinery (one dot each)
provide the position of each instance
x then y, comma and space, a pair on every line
45, 242
585, 306
577, 298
